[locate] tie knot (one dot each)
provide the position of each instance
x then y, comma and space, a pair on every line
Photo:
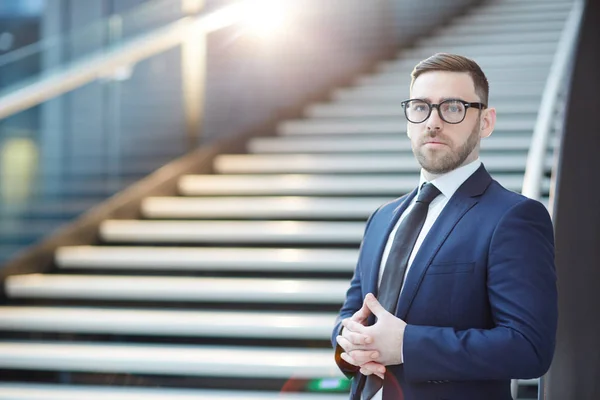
428, 193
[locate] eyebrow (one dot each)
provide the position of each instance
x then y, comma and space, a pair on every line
427, 99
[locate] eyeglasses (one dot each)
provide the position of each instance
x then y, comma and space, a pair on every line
452, 111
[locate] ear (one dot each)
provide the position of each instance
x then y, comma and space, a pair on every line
488, 122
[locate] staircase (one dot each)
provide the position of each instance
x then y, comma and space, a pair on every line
230, 290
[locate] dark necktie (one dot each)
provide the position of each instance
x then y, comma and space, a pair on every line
395, 266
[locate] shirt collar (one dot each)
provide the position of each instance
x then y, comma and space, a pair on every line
449, 183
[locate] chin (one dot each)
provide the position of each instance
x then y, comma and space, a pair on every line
437, 168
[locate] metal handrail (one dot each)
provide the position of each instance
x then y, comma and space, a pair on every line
106, 63
535, 167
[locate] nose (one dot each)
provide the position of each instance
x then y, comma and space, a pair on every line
434, 122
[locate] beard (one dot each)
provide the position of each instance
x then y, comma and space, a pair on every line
441, 162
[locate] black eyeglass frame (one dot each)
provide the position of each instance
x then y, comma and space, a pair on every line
466, 104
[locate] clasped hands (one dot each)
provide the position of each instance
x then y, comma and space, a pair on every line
373, 347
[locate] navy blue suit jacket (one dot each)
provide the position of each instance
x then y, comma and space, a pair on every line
480, 299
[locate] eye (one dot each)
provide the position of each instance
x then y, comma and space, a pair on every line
419, 106
453, 107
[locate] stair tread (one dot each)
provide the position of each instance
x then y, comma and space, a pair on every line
219, 323
193, 258
146, 288
29, 391
303, 184
230, 361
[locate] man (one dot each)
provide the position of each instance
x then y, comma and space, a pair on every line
462, 268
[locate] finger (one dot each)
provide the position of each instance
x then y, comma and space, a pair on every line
364, 356
373, 368
349, 346
374, 305
355, 327
350, 360
357, 338
345, 344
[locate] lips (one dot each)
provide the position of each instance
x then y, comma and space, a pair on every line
435, 143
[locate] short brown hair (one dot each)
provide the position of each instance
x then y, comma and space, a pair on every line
454, 63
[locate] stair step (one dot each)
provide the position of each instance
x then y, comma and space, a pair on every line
164, 288
331, 185
281, 232
186, 323
493, 19
26, 391
344, 163
369, 143
493, 61
495, 75
491, 38
261, 207
513, 8
483, 48
499, 29
207, 258
218, 361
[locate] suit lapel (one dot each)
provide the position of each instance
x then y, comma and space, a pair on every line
462, 201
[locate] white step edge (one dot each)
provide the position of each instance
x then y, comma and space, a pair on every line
284, 232
260, 207
503, 7
218, 361
379, 126
187, 323
514, 37
494, 74
394, 185
367, 143
512, 27
352, 163
492, 19
206, 258
403, 80
406, 64
482, 48
150, 288
295, 184
31, 391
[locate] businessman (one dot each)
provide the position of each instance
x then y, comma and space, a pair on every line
454, 292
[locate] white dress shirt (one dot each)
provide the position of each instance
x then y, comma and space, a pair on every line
448, 184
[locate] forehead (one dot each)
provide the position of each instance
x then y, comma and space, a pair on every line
436, 85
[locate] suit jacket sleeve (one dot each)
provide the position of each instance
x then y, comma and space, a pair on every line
352, 303
523, 300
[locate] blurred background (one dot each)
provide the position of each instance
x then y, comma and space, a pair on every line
184, 183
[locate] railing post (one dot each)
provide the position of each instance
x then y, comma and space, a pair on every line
193, 74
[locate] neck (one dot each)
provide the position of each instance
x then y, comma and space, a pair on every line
430, 176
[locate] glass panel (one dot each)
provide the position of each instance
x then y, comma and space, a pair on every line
59, 159
19, 67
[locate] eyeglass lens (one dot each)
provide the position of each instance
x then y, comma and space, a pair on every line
451, 111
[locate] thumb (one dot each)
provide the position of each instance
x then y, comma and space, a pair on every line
362, 314
375, 306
